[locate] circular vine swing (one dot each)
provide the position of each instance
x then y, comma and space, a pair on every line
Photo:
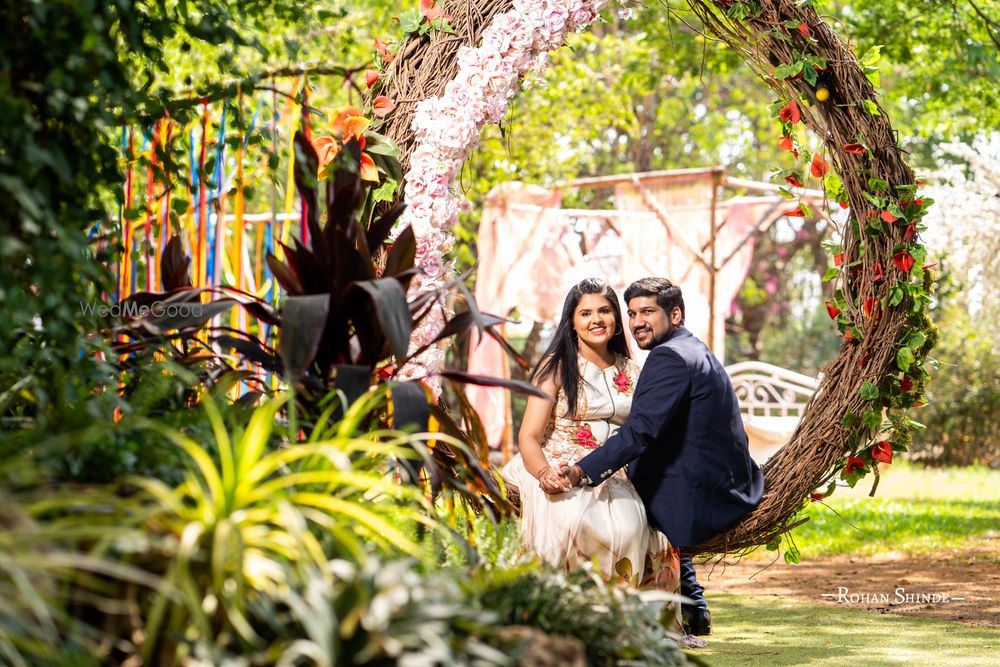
856, 419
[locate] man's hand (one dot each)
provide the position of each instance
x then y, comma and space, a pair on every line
571, 473
552, 482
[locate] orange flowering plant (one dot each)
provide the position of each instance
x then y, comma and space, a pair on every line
379, 155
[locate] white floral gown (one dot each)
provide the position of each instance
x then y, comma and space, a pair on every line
608, 520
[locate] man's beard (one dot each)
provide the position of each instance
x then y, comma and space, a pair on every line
653, 339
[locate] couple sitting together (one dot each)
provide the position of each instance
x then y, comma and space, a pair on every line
676, 426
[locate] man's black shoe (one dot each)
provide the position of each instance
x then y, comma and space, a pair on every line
697, 621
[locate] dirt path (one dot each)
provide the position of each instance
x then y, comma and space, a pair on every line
929, 587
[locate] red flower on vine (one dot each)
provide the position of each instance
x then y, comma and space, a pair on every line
878, 273
796, 212
803, 29
854, 148
371, 76
871, 306
786, 144
832, 310
882, 452
903, 261
794, 180
383, 50
838, 259
888, 217
790, 112
906, 384
853, 463
428, 9
819, 167
623, 382
585, 437
381, 106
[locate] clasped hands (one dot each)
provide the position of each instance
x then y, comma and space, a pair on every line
559, 480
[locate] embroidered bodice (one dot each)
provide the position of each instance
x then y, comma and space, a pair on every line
604, 401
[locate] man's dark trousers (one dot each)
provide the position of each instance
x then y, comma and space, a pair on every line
695, 616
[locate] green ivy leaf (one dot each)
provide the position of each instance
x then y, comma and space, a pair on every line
869, 65
385, 191
410, 21
917, 340
444, 26
878, 184
849, 420
869, 391
872, 419
904, 358
871, 108
792, 555
878, 202
831, 273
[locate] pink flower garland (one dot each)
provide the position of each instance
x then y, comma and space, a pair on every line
447, 130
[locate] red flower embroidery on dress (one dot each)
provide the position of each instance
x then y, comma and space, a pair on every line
623, 382
585, 437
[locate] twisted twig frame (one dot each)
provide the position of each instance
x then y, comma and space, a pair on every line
424, 65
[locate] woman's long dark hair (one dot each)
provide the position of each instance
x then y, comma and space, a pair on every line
561, 355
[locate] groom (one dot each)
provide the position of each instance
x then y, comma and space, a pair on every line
683, 441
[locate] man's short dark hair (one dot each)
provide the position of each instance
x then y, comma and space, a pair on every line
668, 295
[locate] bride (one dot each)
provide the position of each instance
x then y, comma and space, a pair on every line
587, 366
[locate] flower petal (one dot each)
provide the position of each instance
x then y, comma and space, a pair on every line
903, 261
882, 452
355, 126
369, 172
383, 50
819, 166
382, 106
790, 112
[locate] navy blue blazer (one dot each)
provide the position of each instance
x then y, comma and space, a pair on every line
684, 444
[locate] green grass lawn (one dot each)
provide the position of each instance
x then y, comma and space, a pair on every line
751, 630
914, 511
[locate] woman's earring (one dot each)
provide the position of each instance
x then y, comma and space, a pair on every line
620, 329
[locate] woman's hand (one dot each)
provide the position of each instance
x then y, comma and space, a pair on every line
552, 482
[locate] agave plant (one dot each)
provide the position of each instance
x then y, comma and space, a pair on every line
242, 521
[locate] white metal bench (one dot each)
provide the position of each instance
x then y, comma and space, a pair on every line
772, 401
